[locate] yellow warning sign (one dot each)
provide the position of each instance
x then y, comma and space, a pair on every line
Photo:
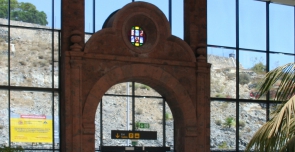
31, 128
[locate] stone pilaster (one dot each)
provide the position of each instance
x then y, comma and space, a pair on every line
195, 23
203, 100
72, 44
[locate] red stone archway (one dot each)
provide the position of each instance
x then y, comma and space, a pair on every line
164, 62
163, 82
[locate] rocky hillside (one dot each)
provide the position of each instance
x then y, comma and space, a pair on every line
32, 65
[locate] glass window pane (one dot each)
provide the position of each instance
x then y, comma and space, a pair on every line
56, 59
56, 132
87, 36
114, 118
97, 126
31, 119
37, 14
252, 70
144, 90
281, 25
163, 5
177, 18
31, 64
4, 120
89, 16
169, 127
252, 117
149, 111
57, 14
221, 22
276, 60
4, 14
223, 122
4, 50
252, 29
120, 89
103, 9
279, 59
223, 72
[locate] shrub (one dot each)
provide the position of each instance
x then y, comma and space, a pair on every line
223, 145
231, 76
244, 78
242, 123
11, 149
168, 116
218, 122
136, 86
224, 105
220, 96
259, 68
144, 87
138, 111
229, 122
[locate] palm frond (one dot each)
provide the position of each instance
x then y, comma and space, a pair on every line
290, 146
274, 134
284, 74
279, 132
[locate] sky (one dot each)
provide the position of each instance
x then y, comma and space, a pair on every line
221, 25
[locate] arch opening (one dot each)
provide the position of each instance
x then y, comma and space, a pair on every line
133, 106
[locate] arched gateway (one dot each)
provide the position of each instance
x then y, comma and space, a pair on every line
117, 54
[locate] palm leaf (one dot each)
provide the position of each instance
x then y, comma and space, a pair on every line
274, 134
290, 145
284, 74
279, 132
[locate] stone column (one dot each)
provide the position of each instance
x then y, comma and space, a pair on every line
195, 34
72, 44
195, 23
72, 19
203, 101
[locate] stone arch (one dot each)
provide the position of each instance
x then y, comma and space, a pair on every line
168, 86
165, 63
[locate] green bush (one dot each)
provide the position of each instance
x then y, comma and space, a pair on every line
144, 87
218, 122
242, 123
229, 122
259, 68
244, 78
223, 145
11, 149
168, 116
220, 96
224, 105
231, 76
139, 111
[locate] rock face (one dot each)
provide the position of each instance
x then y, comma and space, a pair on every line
32, 65
223, 85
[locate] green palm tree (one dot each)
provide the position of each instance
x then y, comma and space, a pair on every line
278, 134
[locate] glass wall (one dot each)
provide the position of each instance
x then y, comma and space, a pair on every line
29, 72
97, 11
246, 39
